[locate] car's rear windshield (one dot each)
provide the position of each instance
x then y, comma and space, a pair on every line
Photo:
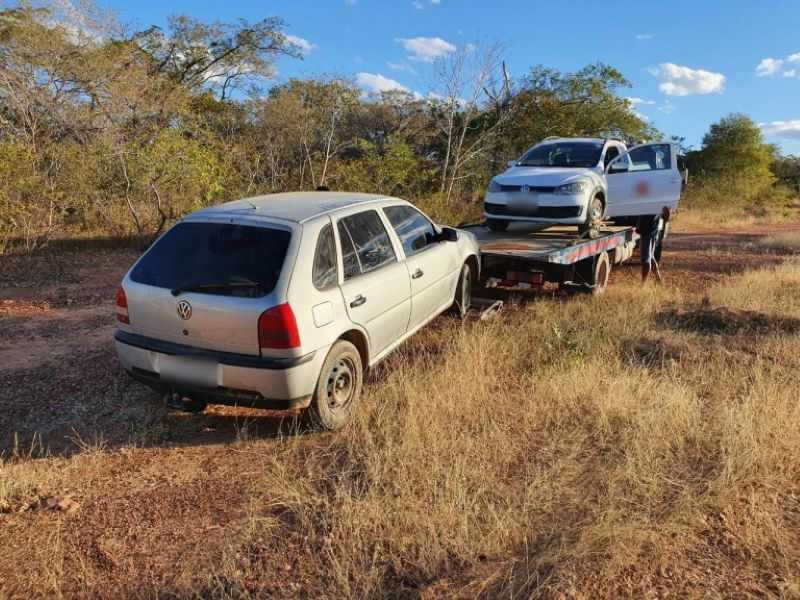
215, 258
563, 154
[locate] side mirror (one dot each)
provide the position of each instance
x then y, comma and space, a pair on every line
511, 163
617, 167
448, 234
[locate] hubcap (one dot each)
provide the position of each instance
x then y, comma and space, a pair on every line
341, 383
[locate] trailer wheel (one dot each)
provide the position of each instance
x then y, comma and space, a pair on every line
497, 224
593, 273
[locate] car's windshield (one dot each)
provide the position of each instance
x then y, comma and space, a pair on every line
563, 154
215, 258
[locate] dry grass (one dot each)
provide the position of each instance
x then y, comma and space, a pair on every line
574, 448
785, 242
703, 218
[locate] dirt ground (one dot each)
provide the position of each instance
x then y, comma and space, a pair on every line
168, 480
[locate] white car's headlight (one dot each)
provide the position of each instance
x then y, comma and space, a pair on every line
494, 186
571, 189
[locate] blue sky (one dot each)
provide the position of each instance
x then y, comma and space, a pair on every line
690, 63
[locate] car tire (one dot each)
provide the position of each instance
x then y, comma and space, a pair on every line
497, 224
338, 388
463, 294
594, 217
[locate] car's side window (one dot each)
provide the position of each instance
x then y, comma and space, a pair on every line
413, 228
653, 157
324, 273
365, 243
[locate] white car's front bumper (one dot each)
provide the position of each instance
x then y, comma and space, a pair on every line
535, 208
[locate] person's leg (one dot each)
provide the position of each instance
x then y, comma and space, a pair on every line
656, 272
646, 247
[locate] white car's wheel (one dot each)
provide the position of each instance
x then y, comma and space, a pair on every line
594, 218
338, 388
463, 295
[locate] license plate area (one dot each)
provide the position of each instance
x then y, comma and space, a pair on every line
199, 372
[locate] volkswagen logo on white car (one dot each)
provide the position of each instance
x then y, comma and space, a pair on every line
184, 309
525, 189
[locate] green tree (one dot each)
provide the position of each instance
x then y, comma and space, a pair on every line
584, 103
734, 147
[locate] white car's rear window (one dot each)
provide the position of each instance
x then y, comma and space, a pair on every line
215, 258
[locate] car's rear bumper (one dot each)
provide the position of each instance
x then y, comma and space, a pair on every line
242, 380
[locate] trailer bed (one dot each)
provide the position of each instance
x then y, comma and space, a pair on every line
527, 256
560, 244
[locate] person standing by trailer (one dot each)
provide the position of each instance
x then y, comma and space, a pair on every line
647, 226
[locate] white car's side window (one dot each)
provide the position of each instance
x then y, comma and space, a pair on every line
413, 228
365, 243
324, 273
653, 157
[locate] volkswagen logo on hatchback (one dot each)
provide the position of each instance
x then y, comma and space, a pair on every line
525, 189
184, 309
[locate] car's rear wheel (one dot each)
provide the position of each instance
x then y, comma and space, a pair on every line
594, 218
497, 224
463, 295
338, 388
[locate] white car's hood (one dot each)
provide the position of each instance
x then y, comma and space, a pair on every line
545, 176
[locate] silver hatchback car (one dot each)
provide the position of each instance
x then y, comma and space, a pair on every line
283, 301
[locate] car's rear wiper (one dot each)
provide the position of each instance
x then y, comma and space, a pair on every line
194, 287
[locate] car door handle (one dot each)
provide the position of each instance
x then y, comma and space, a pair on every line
417, 274
358, 301
675, 180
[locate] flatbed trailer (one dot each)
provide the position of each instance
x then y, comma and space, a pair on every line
527, 256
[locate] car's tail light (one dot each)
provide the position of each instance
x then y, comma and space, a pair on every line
277, 329
122, 307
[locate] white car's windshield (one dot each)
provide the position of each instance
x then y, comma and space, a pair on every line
563, 154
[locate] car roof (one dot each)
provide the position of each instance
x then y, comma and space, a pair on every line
574, 139
290, 206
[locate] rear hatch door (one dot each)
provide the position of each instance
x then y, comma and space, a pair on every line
205, 283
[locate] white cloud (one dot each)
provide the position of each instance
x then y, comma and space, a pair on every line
378, 83
677, 80
417, 4
426, 49
639, 102
436, 1
789, 73
789, 130
302, 43
350, 2
794, 58
768, 66
644, 36
667, 108
401, 66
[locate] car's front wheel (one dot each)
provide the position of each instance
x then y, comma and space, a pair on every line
594, 218
338, 388
463, 295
